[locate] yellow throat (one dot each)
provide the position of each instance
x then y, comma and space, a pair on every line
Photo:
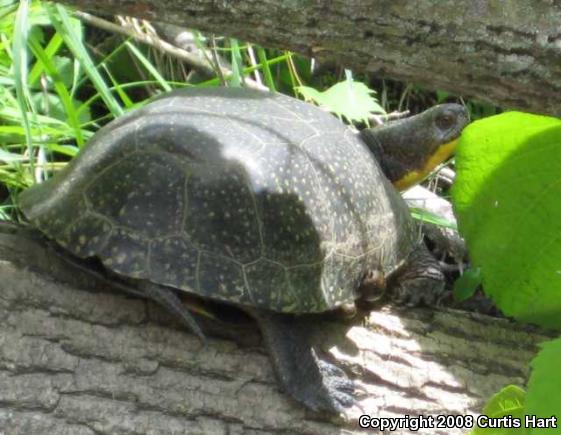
413, 177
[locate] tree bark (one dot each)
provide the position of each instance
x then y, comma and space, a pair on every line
506, 53
79, 358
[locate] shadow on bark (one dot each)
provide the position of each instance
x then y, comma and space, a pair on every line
79, 358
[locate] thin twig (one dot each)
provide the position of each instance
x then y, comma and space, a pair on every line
216, 60
191, 59
129, 30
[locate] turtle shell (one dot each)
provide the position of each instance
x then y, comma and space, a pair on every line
243, 196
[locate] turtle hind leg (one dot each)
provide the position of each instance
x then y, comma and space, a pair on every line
419, 281
319, 385
167, 298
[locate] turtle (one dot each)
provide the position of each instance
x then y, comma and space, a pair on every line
256, 200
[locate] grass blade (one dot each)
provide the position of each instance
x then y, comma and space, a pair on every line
262, 56
117, 86
58, 84
52, 47
236, 78
62, 23
248, 70
19, 53
149, 67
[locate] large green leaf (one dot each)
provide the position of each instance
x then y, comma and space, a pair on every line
544, 387
507, 198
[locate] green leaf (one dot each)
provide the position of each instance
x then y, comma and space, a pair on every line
51, 104
65, 67
506, 198
544, 387
37, 33
37, 15
347, 99
507, 402
481, 109
441, 96
466, 285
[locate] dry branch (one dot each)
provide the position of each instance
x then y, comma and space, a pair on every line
509, 54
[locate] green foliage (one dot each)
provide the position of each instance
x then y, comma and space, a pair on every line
507, 402
466, 285
347, 99
542, 400
506, 198
53, 84
62, 101
423, 215
70, 31
152, 70
544, 387
507, 202
267, 72
237, 68
55, 92
19, 58
480, 109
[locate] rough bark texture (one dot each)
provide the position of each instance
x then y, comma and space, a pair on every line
77, 358
505, 52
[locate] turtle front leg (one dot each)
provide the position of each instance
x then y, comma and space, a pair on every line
319, 385
418, 281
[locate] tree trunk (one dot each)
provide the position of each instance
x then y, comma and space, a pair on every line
79, 358
506, 53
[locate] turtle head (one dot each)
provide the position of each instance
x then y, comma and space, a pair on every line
409, 149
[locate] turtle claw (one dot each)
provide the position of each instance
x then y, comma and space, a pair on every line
316, 383
419, 282
421, 292
336, 393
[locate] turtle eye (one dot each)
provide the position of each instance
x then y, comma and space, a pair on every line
445, 120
